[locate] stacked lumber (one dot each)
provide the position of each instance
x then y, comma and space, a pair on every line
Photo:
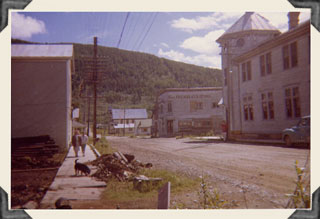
34, 146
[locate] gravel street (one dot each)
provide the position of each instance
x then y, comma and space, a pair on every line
251, 176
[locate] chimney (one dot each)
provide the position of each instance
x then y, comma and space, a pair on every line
293, 19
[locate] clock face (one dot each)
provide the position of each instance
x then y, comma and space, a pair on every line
240, 42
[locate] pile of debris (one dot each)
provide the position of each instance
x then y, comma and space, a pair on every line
121, 166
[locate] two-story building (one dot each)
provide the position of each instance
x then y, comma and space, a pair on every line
187, 111
266, 76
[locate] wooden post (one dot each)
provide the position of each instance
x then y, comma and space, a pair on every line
164, 196
95, 90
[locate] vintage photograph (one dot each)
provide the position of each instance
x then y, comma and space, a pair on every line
160, 110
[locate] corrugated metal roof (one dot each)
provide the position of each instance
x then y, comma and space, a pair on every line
250, 21
39, 50
129, 114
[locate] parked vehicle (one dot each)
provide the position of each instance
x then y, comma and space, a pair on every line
299, 133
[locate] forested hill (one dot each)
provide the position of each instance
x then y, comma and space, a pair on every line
133, 79
130, 77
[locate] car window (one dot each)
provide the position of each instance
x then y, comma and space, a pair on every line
304, 122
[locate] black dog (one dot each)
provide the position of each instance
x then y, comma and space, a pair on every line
81, 168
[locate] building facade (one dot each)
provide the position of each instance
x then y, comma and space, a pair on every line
266, 76
41, 91
180, 111
123, 120
142, 126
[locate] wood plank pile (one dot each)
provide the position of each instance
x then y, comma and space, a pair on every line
34, 146
121, 166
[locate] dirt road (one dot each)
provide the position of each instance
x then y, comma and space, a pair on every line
246, 175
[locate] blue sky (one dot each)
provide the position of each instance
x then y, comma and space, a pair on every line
181, 36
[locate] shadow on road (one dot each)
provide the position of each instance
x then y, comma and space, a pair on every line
296, 146
194, 147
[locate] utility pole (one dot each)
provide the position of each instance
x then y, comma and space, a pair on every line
95, 90
88, 101
94, 67
124, 121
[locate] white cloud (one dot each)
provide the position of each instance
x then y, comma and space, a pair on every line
280, 19
216, 20
213, 61
206, 47
25, 26
223, 21
206, 44
164, 45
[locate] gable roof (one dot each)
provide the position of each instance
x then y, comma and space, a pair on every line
41, 50
129, 114
250, 21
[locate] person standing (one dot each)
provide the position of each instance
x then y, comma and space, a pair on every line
84, 141
224, 128
76, 142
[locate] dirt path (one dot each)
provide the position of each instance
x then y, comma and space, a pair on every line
246, 175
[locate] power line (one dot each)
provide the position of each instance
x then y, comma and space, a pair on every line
132, 28
144, 27
124, 25
144, 37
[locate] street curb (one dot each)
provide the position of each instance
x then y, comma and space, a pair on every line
94, 150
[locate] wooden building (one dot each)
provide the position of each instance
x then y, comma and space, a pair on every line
123, 120
180, 111
41, 91
266, 76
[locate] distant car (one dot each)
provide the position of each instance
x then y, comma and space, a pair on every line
299, 133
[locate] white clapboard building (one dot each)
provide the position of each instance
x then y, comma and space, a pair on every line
266, 75
180, 111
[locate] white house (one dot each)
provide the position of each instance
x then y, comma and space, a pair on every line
41, 91
266, 75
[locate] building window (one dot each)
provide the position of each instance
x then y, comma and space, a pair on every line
294, 54
169, 107
248, 108
185, 125
225, 76
262, 66
292, 100
203, 124
215, 105
161, 108
269, 63
246, 71
290, 55
265, 64
194, 106
267, 105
